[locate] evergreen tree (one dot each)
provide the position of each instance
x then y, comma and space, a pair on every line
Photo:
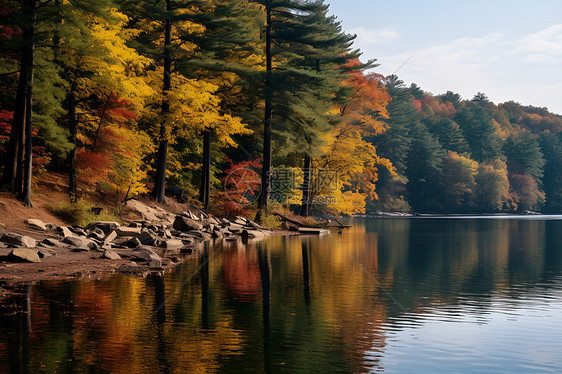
449, 135
303, 49
551, 145
476, 121
424, 170
524, 155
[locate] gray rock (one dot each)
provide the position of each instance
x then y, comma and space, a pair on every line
45, 252
18, 240
134, 268
186, 224
225, 222
240, 221
253, 234
147, 238
140, 254
52, 242
132, 243
105, 226
128, 231
110, 255
97, 234
235, 228
37, 224
214, 221
80, 243
64, 231
155, 263
146, 254
172, 244
23, 255
77, 230
110, 237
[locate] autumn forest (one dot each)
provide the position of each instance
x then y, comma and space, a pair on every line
215, 98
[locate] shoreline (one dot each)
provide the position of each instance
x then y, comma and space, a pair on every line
153, 243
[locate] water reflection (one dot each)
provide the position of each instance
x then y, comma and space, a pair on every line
384, 295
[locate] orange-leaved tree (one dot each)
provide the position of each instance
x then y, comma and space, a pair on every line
348, 153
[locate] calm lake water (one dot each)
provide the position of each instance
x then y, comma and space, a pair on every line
395, 295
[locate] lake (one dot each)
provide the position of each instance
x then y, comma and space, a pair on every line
402, 295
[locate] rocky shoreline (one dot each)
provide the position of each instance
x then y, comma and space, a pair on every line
154, 243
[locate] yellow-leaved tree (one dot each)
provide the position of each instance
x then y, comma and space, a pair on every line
348, 154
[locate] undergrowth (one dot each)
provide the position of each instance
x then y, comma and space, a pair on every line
80, 213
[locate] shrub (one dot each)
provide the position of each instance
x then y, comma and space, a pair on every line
81, 213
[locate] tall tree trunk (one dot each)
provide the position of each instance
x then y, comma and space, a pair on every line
206, 171
73, 127
160, 181
101, 120
306, 186
18, 180
266, 167
13, 166
28, 163
18, 124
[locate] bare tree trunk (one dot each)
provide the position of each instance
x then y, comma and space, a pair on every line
160, 180
28, 164
73, 127
306, 187
266, 167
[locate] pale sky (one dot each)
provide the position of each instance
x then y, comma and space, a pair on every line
510, 50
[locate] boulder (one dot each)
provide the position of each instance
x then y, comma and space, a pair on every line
80, 243
37, 224
77, 230
18, 240
240, 221
134, 268
235, 228
148, 238
225, 222
253, 234
139, 254
172, 244
64, 231
155, 264
132, 243
24, 255
214, 221
110, 255
45, 252
110, 237
128, 231
186, 224
105, 226
97, 234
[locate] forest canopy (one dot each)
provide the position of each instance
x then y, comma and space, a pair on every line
229, 99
